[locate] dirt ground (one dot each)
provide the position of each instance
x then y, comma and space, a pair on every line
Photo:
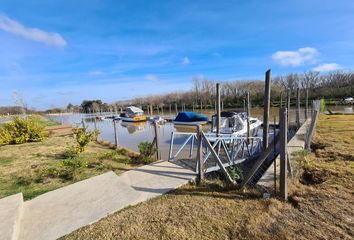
321, 203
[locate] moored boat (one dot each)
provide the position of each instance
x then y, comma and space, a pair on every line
190, 118
132, 114
233, 124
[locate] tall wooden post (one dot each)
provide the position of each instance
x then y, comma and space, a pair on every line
266, 109
176, 107
288, 103
306, 102
283, 153
218, 110
200, 155
222, 105
169, 108
248, 116
115, 133
281, 100
201, 106
298, 108
156, 141
244, 105
151, 110
193, 106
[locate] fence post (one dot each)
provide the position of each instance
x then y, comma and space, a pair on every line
200, 155
298, 108
156, 140
283, 153
312, 129
266, 109
115, 133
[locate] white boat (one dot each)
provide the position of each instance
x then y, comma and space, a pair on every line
132, 114
233, 124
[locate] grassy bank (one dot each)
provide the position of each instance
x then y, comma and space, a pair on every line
320, 207
37, 167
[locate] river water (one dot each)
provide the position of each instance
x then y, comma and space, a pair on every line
131, 134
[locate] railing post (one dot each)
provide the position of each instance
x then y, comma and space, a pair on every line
266, 109
312, 128
283, 153
200, 155
115, 133
156, 141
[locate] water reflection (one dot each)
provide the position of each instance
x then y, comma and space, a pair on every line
134, 127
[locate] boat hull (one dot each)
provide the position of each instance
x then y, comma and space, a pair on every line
190, 123
133, 119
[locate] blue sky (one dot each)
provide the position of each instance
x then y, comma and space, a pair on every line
56, 52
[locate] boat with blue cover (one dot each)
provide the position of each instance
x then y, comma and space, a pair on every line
189, 118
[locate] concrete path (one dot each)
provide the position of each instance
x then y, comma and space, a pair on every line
57, 213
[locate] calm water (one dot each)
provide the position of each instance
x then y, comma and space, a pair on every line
131, 134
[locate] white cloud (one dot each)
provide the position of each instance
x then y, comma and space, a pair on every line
186, 61
151, 77
326, 67
295, 58
35, 34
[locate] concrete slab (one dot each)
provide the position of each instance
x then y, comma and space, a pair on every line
62, 211
295, 144
10, 213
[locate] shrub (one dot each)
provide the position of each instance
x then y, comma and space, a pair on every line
22, 130
74, 163
83, 138
236, 172
146, 151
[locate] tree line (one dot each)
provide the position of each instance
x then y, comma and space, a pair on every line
331, 86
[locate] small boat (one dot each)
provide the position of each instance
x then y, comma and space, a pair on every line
157, 119
233, 124
133, 114
189, 118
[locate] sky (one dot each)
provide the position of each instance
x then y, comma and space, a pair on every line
59, 52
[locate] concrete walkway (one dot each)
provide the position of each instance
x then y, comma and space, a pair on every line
57, 213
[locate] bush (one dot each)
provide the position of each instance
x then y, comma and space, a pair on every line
74, 163
22, 130
146, 151
25, 179
236, 173
83, 138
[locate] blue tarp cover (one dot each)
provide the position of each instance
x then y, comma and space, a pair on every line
190, 117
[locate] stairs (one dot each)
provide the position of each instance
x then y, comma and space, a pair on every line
10, 216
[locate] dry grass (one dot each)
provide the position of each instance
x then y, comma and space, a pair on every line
320, 207
25, 159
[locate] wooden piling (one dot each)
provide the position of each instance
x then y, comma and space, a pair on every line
193, 106
218, 109
176, 108
200, 155
288, 103
306, 102
266, 109
298, 124
115, 133
169, 108
281, 100
156, 140
283, 153
248, 116
201, 106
